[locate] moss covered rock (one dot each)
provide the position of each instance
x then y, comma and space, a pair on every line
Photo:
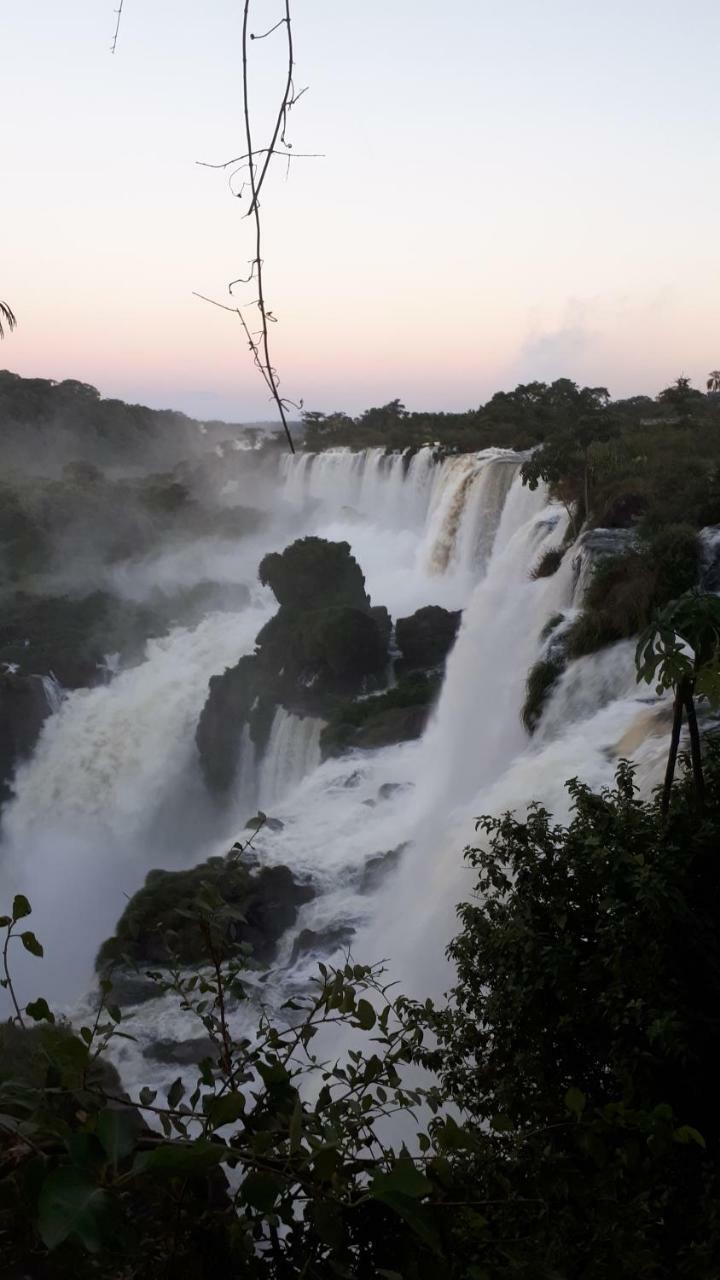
399, 715
426, 637
313, 573
160, 921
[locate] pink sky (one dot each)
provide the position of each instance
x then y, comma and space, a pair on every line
505, 194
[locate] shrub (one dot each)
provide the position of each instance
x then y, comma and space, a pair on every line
548, 564
541, 681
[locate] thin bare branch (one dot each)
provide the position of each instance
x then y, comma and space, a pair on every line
118, 11
8, 315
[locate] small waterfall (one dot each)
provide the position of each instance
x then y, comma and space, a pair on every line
292, 752
54, 692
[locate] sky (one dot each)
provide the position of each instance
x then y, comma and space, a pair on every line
505, 190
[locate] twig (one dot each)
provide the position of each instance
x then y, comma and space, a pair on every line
118, 11
8, 980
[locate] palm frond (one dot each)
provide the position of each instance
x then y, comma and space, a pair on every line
8, 315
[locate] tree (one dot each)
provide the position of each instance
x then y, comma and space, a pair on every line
713, 382
680, 650
8, 315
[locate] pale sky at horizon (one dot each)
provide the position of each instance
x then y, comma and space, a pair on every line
509, 190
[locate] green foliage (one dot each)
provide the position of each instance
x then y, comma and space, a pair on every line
548, 564
313, 573
682, 644
567, 1124
624, 591
379, 720
541, 680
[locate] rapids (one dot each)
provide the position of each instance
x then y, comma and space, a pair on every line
113, 788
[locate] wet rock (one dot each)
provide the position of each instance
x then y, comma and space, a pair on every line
313, 573
161, 922
130, 987
426, 637
322, 942
182, 1053
389, 789
219, 732
398, 715
24, 708
379, 866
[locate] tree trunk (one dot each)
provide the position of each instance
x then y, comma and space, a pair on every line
674, 744
695, 748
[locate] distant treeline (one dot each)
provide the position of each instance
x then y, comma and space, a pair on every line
515, 419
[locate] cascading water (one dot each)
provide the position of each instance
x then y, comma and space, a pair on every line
292, 752
113, 788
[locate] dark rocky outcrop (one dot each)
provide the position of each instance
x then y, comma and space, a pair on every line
379, 866
322, 942
324, 644
313, 573
182, 1053
160, 921
426, 637
399, 715
24, 709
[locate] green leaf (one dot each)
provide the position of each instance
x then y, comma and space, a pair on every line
327, 1220
21, 907
501, 1123
176, 1092
416, 1215
118, 1129
31, 943
5, 921
403, 1178
147, 1096
226, 1110
365, 1015
71, 1204
261, 1190
180, 1159
39, 1010
575, 1100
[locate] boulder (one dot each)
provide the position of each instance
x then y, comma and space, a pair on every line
398, 715
426, 637
160, 921
24, 708
313, 573
379, 866
322, 942
219, 732
181, 1053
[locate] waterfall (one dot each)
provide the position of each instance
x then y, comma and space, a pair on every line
293, 751
113, 787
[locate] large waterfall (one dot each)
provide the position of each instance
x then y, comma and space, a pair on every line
113, 787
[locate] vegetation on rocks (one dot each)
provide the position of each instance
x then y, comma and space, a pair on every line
426, 637
159, 924
567, 1123
326, 642
398, 715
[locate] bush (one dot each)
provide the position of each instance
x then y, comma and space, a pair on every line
541, 681
548, 564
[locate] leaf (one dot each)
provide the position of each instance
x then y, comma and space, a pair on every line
575, 1100
147, 1096
21, 907
31, 943
327, 1220
5, 921
296, 1127
226, 1110
39, 1010
176, 1092
403, 1178
416, 1215
71, 1204
365, 1015
118, 1129
261, 1190
180, 1159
